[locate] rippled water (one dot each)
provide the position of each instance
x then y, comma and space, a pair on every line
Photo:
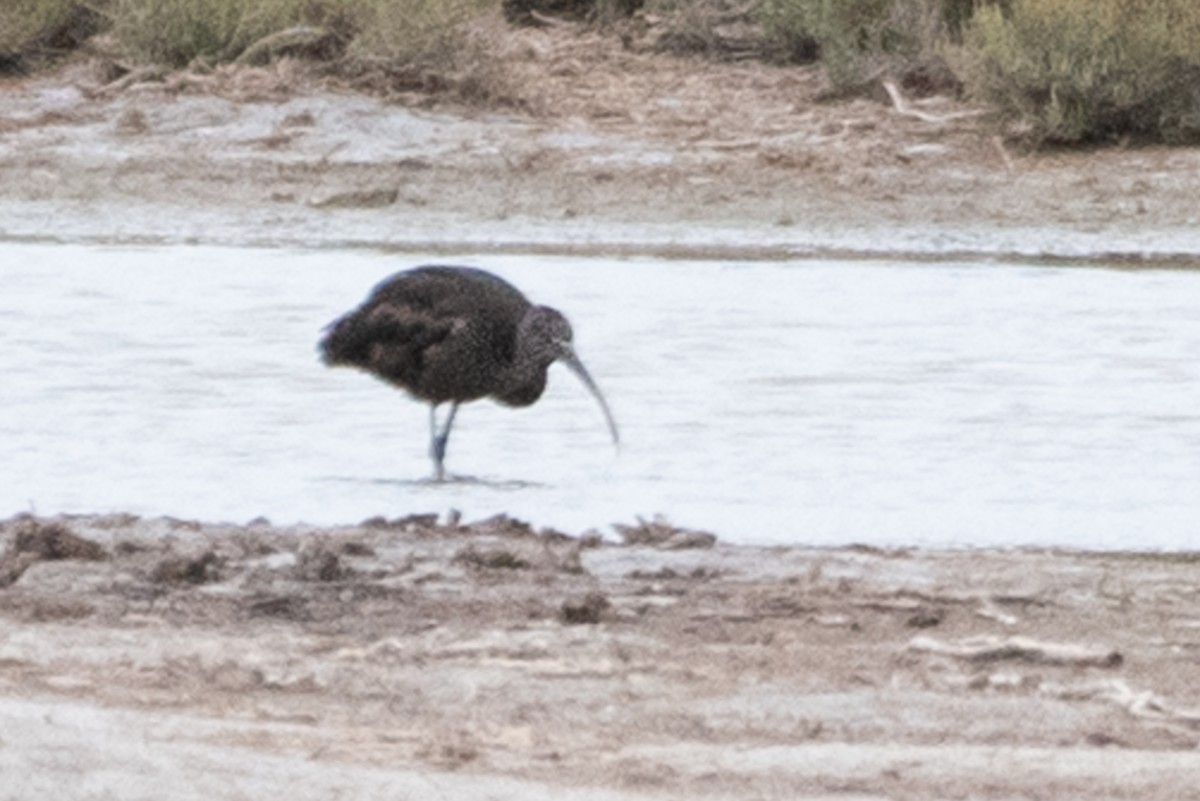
798, 402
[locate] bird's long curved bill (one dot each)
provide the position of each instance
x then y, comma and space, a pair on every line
572, 361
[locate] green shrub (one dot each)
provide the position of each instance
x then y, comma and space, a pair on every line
858, 38
848, 35
25, 22
956, 14
414, 31
1086, 70
448, 47
177, 31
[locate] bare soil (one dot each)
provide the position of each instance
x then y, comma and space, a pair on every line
605, 150
159, 658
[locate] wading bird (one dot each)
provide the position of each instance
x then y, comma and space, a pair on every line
452, 335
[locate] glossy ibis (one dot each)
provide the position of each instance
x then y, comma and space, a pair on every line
452, 335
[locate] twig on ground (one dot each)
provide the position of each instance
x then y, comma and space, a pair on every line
139, 75
998, 143
1139, 703
993, 649
902, 106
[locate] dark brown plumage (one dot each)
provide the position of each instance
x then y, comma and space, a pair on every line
452, 335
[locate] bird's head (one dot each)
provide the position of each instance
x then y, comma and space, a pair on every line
548, 337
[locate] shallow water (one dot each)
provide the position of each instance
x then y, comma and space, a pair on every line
807, 402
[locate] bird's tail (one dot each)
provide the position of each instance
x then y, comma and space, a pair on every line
343, 342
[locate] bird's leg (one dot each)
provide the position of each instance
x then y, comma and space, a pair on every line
437, 445
438, 439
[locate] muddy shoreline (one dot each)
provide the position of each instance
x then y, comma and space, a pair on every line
425, 658
665, 159
152, 657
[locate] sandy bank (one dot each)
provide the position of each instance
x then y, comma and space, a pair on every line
414, 657
623, 154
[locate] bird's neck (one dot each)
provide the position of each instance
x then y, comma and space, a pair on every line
523, 392
525, 379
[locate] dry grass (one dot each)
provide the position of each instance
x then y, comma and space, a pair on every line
178, 32
426, 31
463, 50
1067, 70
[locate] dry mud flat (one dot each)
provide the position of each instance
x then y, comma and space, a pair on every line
610, 151
158, 658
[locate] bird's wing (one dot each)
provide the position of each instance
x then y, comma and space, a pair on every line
442, 333
387, 338
470, 300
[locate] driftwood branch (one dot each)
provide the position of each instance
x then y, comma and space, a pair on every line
998, 143
548, 21
149, 74
659, 533
270, 46
992, 612
902, 106
1140, 703
988, 648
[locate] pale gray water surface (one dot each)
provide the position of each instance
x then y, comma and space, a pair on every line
807, 402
